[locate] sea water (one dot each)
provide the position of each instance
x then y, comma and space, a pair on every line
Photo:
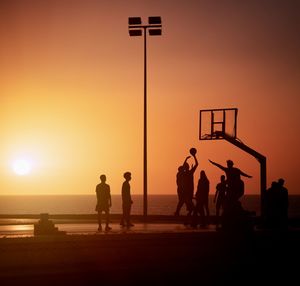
85, 204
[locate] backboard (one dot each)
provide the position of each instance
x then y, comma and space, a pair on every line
215, 122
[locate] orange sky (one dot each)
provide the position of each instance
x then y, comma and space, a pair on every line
71, 91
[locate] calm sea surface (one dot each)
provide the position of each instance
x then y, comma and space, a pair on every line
85, 204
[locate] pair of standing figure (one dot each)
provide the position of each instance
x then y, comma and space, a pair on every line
228, 196
276, 204
185, 191
104, 202
228, 192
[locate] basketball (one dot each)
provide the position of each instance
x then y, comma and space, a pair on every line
193, 151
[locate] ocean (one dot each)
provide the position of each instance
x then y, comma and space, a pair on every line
85, 204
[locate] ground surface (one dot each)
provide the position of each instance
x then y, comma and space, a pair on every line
152, 258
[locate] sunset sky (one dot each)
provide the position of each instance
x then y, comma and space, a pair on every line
71, 92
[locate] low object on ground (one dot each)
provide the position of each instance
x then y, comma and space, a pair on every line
46, 226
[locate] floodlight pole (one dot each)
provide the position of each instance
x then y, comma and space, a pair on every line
145, 127
137, 24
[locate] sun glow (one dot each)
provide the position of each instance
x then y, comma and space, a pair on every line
22, 166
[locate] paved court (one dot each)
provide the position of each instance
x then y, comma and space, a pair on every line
26, 230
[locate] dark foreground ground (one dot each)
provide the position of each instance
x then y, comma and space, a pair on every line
196, 258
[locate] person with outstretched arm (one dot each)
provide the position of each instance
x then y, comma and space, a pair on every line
233, 178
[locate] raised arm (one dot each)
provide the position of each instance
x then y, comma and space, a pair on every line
196, 163
245, 175
218, 165
186, 159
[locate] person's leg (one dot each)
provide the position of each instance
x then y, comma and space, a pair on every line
207, 208
127, 216
177, 208
202, 215
122, 223
107, 227
190, 209
194, 218
99, 220
179, 205
217, 214
217, 209
125, 211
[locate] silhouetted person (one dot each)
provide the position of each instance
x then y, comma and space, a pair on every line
180, 190
103, 202
234, 217
126, 201
201, 200
277, 205
220, 196
188, 185
284, 199
272, 205
233, 179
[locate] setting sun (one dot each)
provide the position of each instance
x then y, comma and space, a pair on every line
149, 142
22, 167
72, 93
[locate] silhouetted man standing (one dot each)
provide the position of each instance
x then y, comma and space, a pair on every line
219, 198
284, 203
103, 202
126, 201
234, 216
233, 178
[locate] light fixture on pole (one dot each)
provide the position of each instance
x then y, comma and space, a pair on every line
136, 28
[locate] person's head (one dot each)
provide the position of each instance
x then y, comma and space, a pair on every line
229, 163
274, 185
180, 169
127, 176
103, 178
281, 182
222, 178
202, 174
